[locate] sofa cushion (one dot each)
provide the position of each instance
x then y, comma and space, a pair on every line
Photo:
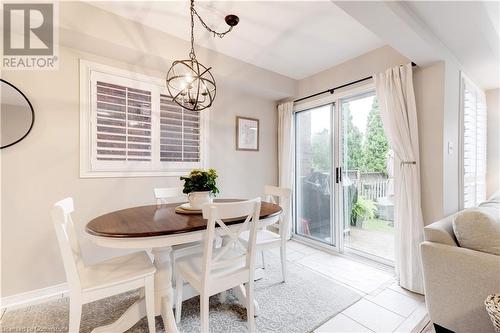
441, 232
479, 228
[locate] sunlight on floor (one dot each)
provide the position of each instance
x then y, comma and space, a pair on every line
374, 242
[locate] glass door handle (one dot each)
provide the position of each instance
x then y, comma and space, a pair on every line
338, 175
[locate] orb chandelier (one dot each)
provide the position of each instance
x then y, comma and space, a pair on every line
189, 83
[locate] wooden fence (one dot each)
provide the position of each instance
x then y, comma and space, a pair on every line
370, 185
373, 190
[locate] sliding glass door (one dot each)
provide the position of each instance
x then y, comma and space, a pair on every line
313, 174
343, 177
367, 182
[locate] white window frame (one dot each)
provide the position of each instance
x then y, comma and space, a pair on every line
464, 80
90, 167
336, 96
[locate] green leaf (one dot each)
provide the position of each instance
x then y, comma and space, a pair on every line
200, 181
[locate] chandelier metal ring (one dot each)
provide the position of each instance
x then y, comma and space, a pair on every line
191, 84
190, 73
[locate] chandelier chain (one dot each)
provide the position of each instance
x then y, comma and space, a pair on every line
189, 83
191, 54
215, 33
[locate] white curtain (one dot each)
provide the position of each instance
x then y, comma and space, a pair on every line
285, 152
399, 115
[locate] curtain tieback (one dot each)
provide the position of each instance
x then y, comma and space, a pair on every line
408, 162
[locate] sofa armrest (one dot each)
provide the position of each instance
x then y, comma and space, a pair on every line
441, 232
457, 281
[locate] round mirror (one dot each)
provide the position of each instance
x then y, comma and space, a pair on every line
16, 115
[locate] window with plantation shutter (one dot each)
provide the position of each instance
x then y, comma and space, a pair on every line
123, 123
473, 144
130, 127
179, 132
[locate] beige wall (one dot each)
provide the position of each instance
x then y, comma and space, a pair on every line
365, 65
243, 173
450, 138
428, 83
493, 166
44, 167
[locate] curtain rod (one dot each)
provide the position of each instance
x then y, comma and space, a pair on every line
331, 90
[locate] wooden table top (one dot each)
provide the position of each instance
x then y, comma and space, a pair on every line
159, 220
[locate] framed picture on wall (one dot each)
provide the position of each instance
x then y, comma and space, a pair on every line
247, 134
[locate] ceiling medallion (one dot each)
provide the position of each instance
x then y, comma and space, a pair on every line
190, 83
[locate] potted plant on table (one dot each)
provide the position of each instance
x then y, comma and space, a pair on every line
200, 186
362, 210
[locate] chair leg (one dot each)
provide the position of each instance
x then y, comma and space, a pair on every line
179, 286
263, 262
283, 261
150, 302
75, 315
172, 260
249, 291
204, 318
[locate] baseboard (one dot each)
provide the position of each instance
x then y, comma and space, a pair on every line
33, 297
61, 290
422, 324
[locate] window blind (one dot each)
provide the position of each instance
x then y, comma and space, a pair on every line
123, 123
179, 132
474, 145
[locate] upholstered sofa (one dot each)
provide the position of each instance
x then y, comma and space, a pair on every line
457, 279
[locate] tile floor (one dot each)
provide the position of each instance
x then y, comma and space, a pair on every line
385, 307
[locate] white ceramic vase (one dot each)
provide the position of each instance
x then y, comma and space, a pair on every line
198, 199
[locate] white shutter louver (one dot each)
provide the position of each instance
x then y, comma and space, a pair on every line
481, 139
474, 145
129, 126
179, 133
123, 123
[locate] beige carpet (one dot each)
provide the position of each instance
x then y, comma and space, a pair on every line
302, 304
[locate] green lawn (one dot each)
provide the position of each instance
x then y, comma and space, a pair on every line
378, 225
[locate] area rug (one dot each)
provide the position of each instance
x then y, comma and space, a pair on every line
303, 303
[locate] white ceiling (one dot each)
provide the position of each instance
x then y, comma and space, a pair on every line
470, 30
295, 39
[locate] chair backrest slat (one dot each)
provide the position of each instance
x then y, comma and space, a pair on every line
281, 196
215, 214
166, 195
68, 241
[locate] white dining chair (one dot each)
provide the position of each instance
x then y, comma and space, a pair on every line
267, 239
108, 278
166, 195
213, 270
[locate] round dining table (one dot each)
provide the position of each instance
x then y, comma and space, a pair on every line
158, 228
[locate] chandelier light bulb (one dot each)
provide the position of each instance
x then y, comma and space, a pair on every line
204, 91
